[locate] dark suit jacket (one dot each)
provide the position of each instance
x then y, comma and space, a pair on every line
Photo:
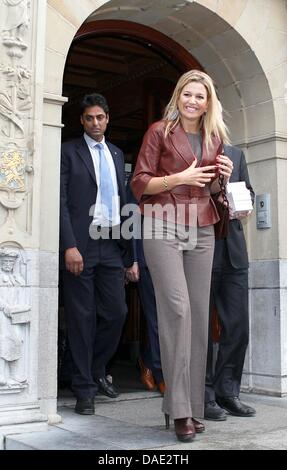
137, 243
235, 242
79, 192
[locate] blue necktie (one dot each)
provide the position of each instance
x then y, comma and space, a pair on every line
106, 184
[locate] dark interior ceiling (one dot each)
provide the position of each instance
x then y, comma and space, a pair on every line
136, 79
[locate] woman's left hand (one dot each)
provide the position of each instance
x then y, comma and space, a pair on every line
224, 166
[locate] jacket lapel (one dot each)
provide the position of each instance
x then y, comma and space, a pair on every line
208, 157
181, 145
85, 155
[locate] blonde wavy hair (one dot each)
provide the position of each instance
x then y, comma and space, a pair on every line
212, 120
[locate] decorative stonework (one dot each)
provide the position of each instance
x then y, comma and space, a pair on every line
15, 122
15, 100
15, 315
15, 27
12, 372
15, 107
12, 170
12, 267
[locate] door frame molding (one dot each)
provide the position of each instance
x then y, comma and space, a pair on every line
145, 35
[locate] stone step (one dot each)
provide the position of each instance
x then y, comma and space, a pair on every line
95, 432
54, 439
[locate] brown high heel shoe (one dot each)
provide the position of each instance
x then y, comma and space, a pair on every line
198, 426
166, 421
184, 429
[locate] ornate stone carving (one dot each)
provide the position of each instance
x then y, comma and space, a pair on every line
14, 264
12, 170
15, 104
7, 112
15, 26
10, 274
12, 374
15, 314
15, 100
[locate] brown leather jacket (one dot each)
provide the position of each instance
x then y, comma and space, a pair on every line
160, 156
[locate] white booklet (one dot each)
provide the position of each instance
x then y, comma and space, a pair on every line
238, 197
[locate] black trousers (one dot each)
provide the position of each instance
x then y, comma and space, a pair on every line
95, 311
151, 355
229, 293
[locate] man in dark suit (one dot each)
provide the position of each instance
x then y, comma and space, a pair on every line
92, 252
229, 294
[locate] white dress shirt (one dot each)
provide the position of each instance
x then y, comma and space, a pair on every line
98, 218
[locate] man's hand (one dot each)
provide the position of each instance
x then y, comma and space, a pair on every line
133, 273
238, 215
74, 261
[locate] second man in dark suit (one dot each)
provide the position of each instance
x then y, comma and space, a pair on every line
92, 195
229, 294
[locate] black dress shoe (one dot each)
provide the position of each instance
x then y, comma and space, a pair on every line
234, 406
106, 388
85, 406
198, 426
214, 412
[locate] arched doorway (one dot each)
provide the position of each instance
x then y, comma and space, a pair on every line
238, 58
135, 67
247, 61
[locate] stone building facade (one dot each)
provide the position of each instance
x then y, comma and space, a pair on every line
242, 44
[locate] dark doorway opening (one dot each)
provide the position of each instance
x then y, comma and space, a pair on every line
135, 80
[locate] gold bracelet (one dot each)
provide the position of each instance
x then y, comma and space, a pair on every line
165, 183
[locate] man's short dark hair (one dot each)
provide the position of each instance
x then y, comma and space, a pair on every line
95, 99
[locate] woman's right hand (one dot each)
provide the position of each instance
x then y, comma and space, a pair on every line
197, 176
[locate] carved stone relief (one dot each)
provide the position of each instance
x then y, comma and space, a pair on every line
15, 26
15, 100
15, 316
15, 106
12, 372
15, 166
12, 267
12, 170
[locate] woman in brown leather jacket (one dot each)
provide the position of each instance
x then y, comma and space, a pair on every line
176, 172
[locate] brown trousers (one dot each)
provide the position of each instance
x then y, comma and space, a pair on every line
181, 274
